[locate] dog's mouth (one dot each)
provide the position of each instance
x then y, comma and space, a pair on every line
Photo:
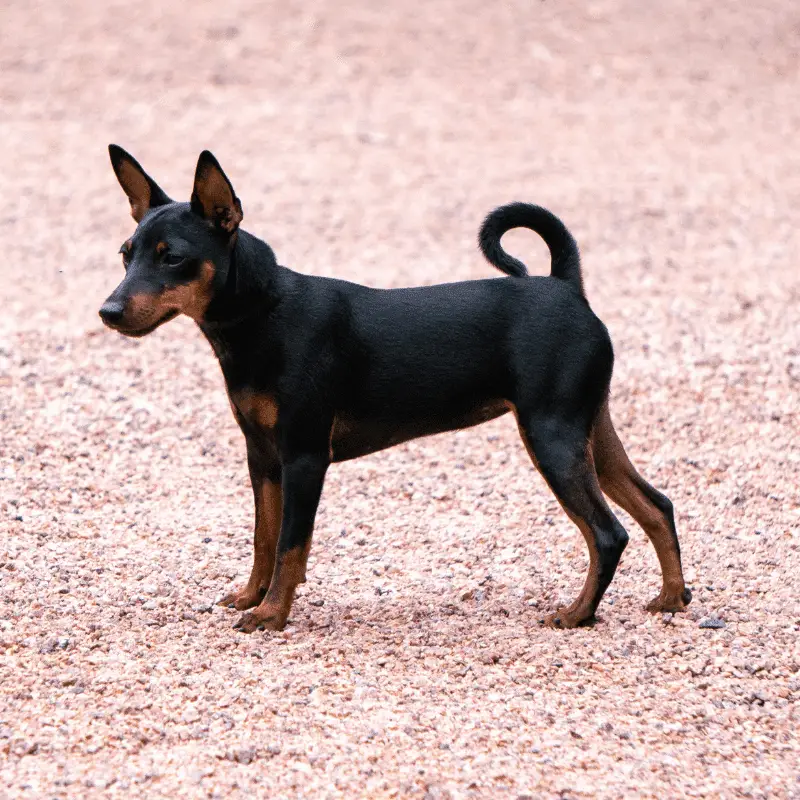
137, 333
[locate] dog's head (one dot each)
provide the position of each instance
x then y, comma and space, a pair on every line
179, 254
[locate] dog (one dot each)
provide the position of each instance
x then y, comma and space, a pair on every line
320, 370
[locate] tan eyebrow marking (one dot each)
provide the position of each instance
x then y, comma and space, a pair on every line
161, 247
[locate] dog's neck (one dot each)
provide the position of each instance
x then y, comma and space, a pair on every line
250, 287
245, 297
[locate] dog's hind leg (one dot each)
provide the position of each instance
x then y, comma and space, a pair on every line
651, 510
561, 452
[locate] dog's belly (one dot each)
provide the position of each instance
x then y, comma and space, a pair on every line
354, 436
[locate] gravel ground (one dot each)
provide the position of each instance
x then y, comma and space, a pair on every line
367, 141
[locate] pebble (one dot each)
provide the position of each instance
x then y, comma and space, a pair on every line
711, 622
244, 755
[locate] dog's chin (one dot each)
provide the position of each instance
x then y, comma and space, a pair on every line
137, 333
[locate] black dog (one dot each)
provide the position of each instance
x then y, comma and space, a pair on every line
320, 370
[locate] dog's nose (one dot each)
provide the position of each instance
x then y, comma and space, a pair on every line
112, 311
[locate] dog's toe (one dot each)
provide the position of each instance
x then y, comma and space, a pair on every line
248, 623
242, 599
670, 601
565, 619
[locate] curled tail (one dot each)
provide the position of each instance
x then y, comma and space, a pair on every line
565, 262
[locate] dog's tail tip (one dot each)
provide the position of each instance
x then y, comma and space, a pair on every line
565, 261
492, 230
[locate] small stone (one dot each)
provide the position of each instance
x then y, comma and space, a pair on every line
245, 755
667, 618
712, 622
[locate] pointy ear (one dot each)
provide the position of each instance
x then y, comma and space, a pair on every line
143, 192
213, 197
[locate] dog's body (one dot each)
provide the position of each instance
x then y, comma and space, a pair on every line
320, 370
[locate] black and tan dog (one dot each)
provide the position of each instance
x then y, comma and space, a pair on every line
321, 370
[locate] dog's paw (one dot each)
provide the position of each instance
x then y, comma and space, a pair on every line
267, 620
564, 618
242, 599
670, 601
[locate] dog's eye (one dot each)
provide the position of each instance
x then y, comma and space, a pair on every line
172, 260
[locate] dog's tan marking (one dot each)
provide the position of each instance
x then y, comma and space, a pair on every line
272, 613
161, 247
290, 569
622, 483
581, 608
190, 298
136, 188
217, 199
269, 508
261, 409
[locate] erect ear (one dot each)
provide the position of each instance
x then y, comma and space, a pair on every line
143, 192
213, 197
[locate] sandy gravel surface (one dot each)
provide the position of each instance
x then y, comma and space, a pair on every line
368, 142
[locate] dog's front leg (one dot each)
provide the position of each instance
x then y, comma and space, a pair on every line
303, 477
265, 475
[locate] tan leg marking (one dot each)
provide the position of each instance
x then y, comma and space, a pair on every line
259, 409
581, 609
622, 483
290, 570
269, 508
